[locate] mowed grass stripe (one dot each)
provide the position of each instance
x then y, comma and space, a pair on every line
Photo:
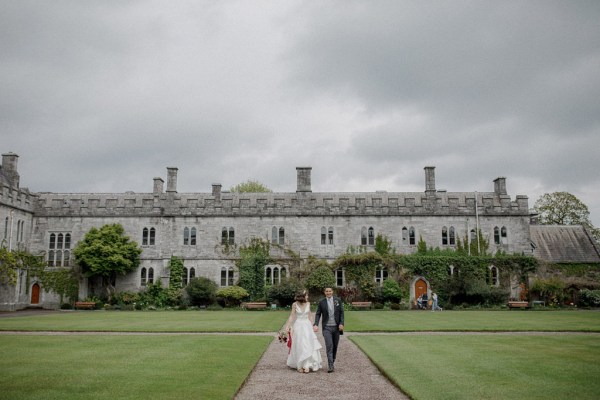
149, 321
514, 320
126, 367
488, 367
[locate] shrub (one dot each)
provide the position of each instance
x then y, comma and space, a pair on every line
348, 294
589, 298
232, 296
284, 293
201, 291
391, 291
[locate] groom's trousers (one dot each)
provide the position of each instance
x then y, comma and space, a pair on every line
331, 334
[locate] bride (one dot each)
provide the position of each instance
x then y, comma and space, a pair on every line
304, 354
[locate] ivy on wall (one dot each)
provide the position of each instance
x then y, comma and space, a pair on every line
251, 264
176, 274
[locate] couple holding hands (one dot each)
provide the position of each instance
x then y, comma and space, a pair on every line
305, 353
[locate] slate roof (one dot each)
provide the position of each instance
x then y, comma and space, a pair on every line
564, 244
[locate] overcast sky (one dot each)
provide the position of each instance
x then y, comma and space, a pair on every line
102, 96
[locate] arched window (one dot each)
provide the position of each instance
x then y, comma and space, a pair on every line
186, 236
59, 255
452, 236
67, 240
444, 236
411, 236
184, 276
51, 258
193, 237
323, 235
504, 235
5, 227
66, 258
363, 236
330, 235
150, 275
473, 235
52, 244
144, 276
152, 236
274, 275
371, 236
192, 273
493, 276
496, 235
274, 235
404, 236
145, 235
281, 236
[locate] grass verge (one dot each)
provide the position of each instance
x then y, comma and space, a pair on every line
149, 321
514, 320
126, 367
488, 367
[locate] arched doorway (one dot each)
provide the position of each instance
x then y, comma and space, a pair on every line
35, 294
420, 287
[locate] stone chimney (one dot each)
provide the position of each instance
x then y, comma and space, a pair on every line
303, 180
9, 168
430, 181
500, 185
171, 180
158, 186
216, 191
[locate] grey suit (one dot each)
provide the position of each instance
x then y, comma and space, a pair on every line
331, 333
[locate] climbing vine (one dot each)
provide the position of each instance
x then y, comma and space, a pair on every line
251, 264
176, 275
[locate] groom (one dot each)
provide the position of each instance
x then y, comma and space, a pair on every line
333, 323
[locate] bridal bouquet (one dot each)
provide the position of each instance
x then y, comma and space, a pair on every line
283, 336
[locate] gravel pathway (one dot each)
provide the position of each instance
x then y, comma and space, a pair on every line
355, 377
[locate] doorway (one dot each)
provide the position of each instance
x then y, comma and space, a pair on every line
35, 294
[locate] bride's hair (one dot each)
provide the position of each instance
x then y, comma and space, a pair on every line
301, 296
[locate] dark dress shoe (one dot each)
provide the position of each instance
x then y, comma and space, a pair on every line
330, 369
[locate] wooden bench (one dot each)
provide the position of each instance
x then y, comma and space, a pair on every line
518, 304
89, 305
254, 305
361, 304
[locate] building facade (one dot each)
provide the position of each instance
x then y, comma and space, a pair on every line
204, 229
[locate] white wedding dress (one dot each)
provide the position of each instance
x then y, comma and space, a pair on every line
305, 345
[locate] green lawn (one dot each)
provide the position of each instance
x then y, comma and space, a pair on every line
150, 321
514, 320
489, 366
271, 321
126, 367
431, 366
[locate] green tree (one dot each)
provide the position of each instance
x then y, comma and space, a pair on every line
563, 208
250, 186
106, 253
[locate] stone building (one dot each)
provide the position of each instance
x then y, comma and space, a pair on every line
200, 227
